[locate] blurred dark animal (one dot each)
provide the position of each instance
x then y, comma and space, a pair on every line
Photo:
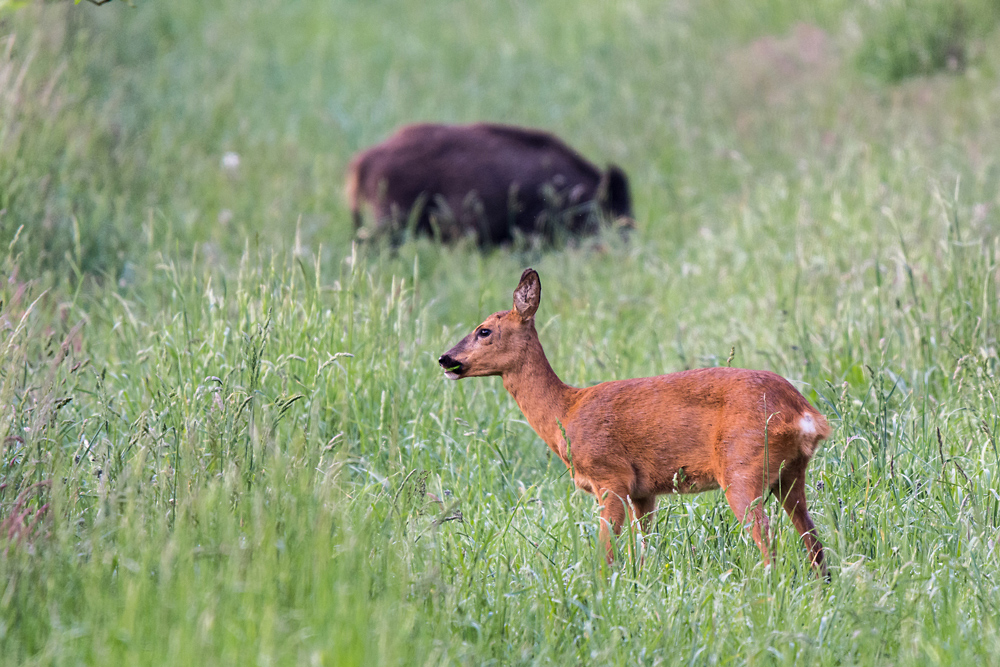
485, 180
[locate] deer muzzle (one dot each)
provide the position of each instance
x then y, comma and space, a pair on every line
452, 368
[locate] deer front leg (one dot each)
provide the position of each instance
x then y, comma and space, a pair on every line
616, 506
643, 508
640, 513
612, 517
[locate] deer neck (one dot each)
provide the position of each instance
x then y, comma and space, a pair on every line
543, 398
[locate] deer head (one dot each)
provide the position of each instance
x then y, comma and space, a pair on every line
501, 342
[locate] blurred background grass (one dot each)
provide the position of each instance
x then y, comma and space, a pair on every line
225, 435
123, 114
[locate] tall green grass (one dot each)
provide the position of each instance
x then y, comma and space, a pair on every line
225, 437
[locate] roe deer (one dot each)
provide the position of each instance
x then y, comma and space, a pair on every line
747, 432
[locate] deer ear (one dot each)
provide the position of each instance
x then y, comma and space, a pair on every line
528, 294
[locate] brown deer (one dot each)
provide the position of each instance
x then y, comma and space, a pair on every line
627, 441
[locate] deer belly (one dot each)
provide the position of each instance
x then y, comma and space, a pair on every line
688, 481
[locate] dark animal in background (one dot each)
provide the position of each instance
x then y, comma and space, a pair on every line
485, 180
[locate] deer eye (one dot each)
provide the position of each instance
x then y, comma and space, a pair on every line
484, 333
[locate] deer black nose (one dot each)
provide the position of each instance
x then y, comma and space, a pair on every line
446, 361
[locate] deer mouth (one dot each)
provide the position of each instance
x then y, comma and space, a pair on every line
452, 369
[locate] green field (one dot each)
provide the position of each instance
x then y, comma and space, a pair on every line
225, 436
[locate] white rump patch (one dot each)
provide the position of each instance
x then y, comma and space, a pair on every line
807, 425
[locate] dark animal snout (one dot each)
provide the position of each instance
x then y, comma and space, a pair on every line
619, 198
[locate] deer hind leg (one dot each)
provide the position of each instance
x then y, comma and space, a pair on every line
792, 491
747, 503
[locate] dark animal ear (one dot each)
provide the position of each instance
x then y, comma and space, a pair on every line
528, 294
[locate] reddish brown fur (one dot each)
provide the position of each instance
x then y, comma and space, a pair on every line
482, 179
744, 431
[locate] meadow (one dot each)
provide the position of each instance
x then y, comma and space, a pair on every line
225, 436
